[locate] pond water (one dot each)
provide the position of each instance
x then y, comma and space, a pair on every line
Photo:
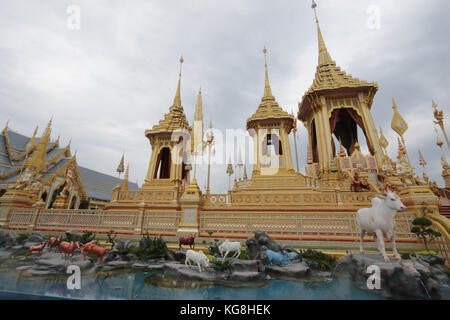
157, 286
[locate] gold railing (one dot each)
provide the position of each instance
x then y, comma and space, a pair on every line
89, 220
320, 226
160, 223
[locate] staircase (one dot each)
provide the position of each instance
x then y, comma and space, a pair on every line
445, 211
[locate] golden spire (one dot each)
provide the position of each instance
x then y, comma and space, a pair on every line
267, 89
324, 55
245, 173
177, 99
198, 116
125, 178
37, 160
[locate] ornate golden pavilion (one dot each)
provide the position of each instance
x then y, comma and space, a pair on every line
319, 205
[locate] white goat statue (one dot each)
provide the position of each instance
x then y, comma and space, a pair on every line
197, 257
379, 221
228, 247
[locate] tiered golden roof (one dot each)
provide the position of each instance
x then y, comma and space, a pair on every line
269, 107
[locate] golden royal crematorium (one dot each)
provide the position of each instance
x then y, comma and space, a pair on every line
316, 209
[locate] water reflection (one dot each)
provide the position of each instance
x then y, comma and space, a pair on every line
157, 286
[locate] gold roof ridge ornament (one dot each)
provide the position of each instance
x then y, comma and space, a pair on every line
37, 159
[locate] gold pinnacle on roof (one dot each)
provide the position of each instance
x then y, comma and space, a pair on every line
37, 160
269, 107
177, 99
267, 89
125, 178
198, 115
324, 55
175, 119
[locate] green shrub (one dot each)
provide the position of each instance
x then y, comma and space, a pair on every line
152, 248
325, 261
420, 229
218, 265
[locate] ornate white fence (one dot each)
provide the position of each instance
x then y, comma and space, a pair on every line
160, 223
21, 218
89, 220
322, 226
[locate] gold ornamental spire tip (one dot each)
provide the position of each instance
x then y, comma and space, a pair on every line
267, 89
177, 99
324, 55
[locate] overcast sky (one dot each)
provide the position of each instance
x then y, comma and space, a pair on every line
114, 77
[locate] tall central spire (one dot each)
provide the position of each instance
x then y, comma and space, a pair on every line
267, 89
324, 55
199, 108
177, 99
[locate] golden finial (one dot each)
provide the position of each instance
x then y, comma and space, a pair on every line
267, 89
324, 55
198, 115
210, 124
177, 99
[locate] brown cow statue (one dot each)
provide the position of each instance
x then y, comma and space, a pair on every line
38, 248
67, 248
189, 240
53, 242
91, 247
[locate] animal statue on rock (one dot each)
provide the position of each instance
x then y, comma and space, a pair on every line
53, 242
38, 248
277, 257
68, 249
197, 257
379, 222
189, 240
91, 247
228, 247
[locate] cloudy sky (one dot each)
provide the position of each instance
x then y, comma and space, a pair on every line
115, 76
